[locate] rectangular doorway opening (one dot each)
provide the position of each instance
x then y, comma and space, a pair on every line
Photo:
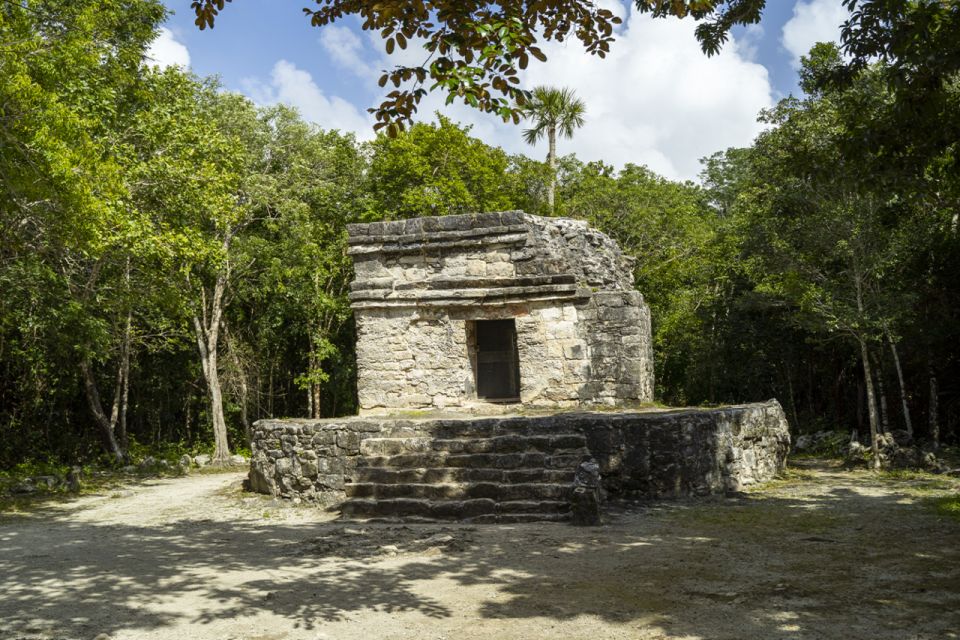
497, 364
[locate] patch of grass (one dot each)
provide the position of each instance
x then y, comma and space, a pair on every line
907, 474
786, 478
93, 483
806, 455
919, 481
758, 519
950, 455
948, 506
94, 480
214, 469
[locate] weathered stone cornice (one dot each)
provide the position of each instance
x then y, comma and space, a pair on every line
462, 283
419, 243
418, 235
376, 298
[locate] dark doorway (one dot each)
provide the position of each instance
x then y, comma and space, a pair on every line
498, 365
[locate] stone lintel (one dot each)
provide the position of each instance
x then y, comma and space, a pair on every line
423, 243
434, 236
476, 298
439, 284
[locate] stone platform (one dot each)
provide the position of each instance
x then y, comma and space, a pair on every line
513, 468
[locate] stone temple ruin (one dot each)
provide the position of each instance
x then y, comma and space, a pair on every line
486, 344
463, 311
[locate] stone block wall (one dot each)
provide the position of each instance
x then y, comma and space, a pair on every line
685, 452
583, 332
674, 453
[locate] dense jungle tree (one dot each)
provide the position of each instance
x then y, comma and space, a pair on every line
436, 170
68, 89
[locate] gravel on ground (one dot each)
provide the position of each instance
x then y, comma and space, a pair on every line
825, 553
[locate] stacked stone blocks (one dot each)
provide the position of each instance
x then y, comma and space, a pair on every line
508, 469
583, 332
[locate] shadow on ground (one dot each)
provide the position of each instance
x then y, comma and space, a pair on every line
836, 556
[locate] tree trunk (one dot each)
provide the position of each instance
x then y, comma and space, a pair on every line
871, 403
242, 382
188, 412
882, 387
125, 381
99, 415
552, 163
221, 453
861, 393
934, 423
207, 333
793, 400
903, 389
244, 413
270, 390
867, 375
315, 400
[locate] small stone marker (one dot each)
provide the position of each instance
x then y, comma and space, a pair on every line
585, 500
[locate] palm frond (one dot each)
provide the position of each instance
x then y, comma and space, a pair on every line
557, 108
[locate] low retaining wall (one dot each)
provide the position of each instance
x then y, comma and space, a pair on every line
671, 453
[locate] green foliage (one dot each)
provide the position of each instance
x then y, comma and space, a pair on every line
69, 88
948, 506
833, 445
435, 170
553, 111
169, 451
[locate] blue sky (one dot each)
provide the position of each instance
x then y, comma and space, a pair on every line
656, 100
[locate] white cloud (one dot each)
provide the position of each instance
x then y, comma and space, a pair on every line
347, 50
295, 87
748, 45
656, 99
167, 51
813, 21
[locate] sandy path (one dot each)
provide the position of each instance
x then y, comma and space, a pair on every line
831, 555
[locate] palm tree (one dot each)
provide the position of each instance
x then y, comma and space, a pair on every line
553, 110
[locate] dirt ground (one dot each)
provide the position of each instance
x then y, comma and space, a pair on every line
824, 554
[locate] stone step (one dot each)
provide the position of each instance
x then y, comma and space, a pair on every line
495, 444
563, 459
460, 491
382, 475
450, 509
517, 518
483, 427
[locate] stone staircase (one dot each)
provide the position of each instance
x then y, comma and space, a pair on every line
472, 472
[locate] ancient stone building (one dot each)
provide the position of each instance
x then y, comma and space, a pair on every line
478, 310
472, 313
